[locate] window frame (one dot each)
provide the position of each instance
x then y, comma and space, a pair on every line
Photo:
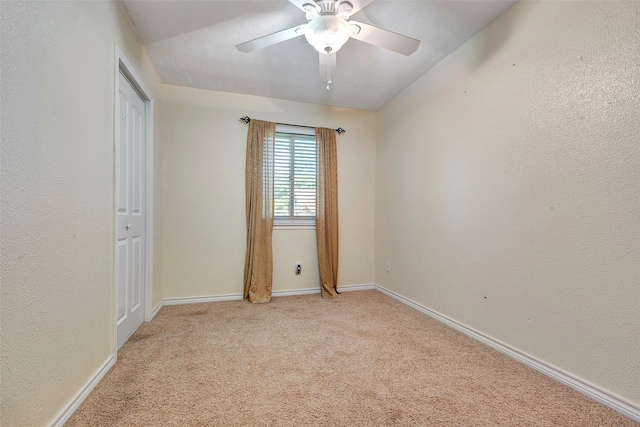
296, 222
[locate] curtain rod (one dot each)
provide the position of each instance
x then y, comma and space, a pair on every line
247, 119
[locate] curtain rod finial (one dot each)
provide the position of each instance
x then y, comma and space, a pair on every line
340, 131
245, 120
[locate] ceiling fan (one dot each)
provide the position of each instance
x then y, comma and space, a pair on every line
328, 29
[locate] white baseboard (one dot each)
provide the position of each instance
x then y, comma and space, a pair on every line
343, 288
605, 397
77, 400
234, 297
156, 310
198, 300
351, 288
292, 292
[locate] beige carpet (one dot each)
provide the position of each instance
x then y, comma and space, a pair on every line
362, 359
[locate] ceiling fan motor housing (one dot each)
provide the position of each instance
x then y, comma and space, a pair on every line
327, 33
342, 8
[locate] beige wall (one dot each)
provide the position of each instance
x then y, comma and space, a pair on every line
57, 199
504, 186
204, 201
508, 188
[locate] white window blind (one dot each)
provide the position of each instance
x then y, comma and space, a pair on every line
295, 172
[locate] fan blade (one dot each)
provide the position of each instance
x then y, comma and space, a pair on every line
357, 4
383, 38
271, 39
327, 66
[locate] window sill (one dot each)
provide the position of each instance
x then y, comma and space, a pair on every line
294, 224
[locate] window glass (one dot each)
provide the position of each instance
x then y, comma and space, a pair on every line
295, 174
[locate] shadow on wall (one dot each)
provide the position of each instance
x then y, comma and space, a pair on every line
479, 52
489, 42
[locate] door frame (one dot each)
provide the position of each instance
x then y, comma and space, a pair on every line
122, 65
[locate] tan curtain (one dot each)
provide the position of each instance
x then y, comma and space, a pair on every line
258, 265
327, 211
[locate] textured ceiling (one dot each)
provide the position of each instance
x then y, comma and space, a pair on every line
192, 43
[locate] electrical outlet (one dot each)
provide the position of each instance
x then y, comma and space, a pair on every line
388, 266
298, 268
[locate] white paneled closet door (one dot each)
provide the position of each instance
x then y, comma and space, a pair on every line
130, 211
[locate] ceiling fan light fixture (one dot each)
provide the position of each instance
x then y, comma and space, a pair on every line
344, 9
312, 10
327, 33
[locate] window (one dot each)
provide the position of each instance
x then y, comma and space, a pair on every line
295, 172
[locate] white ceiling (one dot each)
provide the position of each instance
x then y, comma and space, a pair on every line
192, 43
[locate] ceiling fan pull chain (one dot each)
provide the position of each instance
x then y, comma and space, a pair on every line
329, 82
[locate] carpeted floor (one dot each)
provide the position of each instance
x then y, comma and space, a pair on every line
362, 359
